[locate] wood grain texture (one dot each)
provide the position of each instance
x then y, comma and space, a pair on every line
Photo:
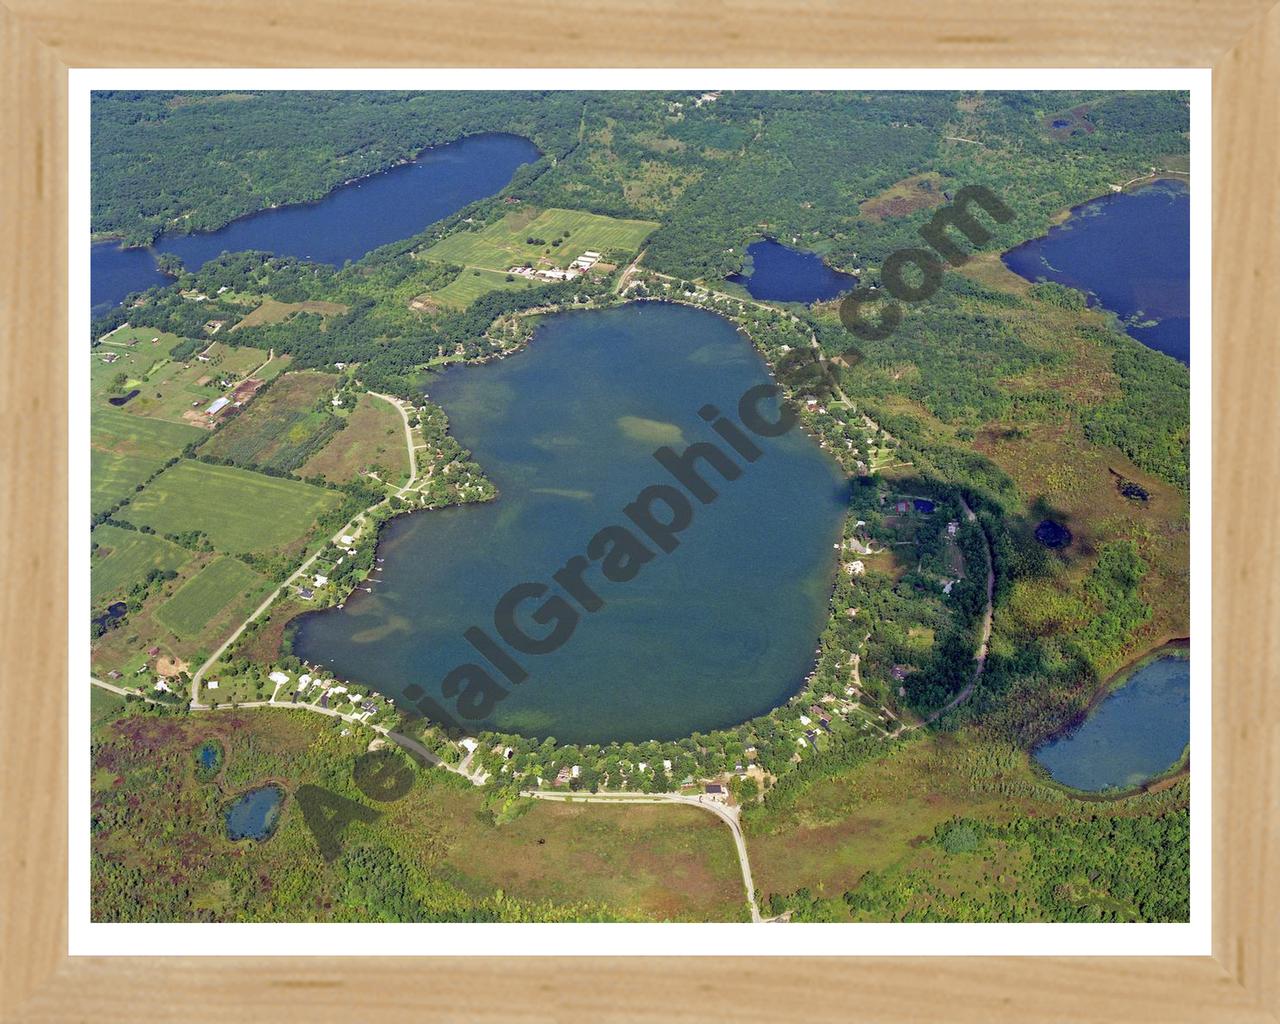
39, 39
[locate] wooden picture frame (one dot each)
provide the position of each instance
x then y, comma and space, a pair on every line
42, 39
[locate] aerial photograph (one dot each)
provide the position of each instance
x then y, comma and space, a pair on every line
639, 506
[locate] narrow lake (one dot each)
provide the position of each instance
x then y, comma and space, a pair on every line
1129, 252
779, 273
255, 814
722, 628
1134, 734
344, 225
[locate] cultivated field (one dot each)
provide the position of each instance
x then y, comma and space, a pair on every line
239, 510
125, 556
373, 440
282, 426
126, 450
471, 284
505, 244
207, 593
273, 312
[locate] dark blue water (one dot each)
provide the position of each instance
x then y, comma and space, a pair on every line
782, 274
346, 224
720, 629
254, 815
1130, 253
1137, 732
113, 612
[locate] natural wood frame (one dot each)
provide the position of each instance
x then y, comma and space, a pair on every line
1240, 39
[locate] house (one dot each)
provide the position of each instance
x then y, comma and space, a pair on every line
562, 777
805, 720
306, 593
153, 651
900, 672
278, 677
110, 357
713, 789
304, 680
468, 744
575, 771
163, 687
212, 684
952, 527
666, 765
855, 568
320, 581
218, 405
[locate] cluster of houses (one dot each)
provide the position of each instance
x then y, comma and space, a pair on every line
365, 706
577, 268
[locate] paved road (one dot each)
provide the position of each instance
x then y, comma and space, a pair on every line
421, 753
729, 815
301, 570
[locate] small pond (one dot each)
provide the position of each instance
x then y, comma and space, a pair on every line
779, 273
208, 759
1136, 732
113, 612
1052, 534
123, 399
255, 814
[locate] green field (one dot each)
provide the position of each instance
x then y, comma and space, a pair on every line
239, 510
117, 431
126, 450
203, 596
504, 244
282, 427
373, 440
471, 284
112, 478
128, 556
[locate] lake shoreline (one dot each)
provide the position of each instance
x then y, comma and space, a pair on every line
1178, 647
97, 237
831, 574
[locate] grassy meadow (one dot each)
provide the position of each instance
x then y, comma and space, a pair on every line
237, 509
201, 598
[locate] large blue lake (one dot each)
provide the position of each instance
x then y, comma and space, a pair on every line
1137, 732
722, 628
1129, 252
346, 224
779, 273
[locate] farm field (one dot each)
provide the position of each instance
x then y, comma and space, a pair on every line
126, 556
504, 244
168, 389
373, 439
206, 594
126, 450
237, 509
471, 284
273, 312
115, 477
282, 426
438, 853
